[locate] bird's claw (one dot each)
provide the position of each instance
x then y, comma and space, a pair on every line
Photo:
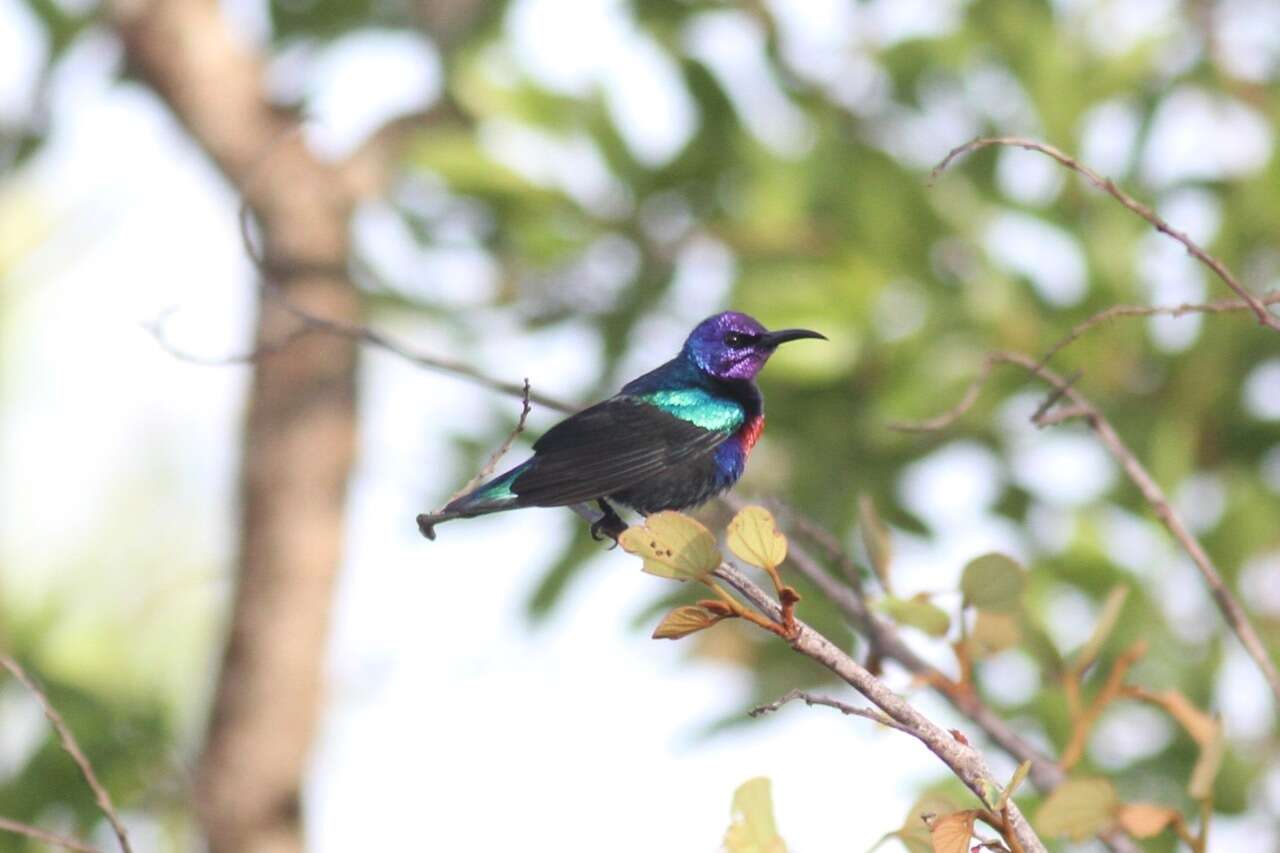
610, 524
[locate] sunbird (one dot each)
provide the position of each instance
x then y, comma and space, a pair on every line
671, 439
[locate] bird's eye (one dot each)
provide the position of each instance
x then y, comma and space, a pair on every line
736, 340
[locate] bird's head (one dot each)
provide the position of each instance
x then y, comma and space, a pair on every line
732, 345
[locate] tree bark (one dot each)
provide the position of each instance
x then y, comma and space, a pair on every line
299, 435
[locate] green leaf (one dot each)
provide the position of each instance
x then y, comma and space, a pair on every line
917, 612
1107, 620
672, 546
1012, 788
754, 538
993, 582
875, 538
993, 633
684, 621
752, 828
1078, 808
1206, 770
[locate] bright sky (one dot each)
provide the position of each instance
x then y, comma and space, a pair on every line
451, 727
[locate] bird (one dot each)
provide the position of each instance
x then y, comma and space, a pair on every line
669, 440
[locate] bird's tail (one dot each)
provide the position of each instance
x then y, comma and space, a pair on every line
493, 496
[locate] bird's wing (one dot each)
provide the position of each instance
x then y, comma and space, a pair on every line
609, 447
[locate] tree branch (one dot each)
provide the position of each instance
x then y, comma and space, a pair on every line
812, 699
962, 759
1081, 407
43, 835
1109, 187
72, 748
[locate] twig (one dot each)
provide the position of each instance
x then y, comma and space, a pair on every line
1222, 306
1231, 609
883, 636
72, 748
45, 836
156, 328
1108, 186
963, 760
1084, 721
812, 699
497, 455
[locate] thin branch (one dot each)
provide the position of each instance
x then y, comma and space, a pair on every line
484, 473
812, 699
962, 759
1222, 306
1109, 187
1084, 722
156, 328
72, 748
1081, 407
45, 836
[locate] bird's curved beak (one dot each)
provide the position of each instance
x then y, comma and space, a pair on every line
781, 336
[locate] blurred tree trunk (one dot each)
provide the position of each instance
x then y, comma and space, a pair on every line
300, 432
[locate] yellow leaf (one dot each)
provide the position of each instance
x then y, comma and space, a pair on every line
1077, 808
1145, 820
875, 538
1202, 727
672, 546
752, 828
951, 833
993, 582
1207, 765
684, 621
755, 539
994, 632
1106, 623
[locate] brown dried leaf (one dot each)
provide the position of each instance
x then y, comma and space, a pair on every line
951, 833
914, 834
754, 537
1145, 820
684, 621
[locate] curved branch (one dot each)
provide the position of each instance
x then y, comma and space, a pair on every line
1259, 309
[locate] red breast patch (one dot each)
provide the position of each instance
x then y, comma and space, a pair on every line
749, 432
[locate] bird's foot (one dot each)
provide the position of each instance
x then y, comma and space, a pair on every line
610, 524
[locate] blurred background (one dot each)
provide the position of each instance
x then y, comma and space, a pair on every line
559, 190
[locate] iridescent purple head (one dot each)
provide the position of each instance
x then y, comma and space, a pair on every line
734, 346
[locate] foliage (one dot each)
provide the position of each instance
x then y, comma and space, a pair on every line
838, 229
